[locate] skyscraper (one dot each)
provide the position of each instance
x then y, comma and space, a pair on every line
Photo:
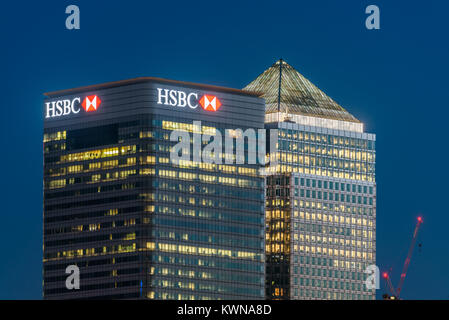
321, 195
134, 223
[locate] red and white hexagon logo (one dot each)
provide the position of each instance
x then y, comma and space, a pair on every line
210, 103
91, 103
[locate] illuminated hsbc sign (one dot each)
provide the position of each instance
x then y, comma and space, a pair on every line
178, 98
65, 107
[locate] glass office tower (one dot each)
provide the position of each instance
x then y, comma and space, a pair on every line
137, 225
321, 195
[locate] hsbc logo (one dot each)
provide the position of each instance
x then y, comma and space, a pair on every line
65, 107
91, 103
177, 98
210, 103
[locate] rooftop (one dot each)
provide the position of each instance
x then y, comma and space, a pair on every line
293, 94
115, 84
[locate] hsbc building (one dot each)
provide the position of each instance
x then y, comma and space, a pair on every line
136, 225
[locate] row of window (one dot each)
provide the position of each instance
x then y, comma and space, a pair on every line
327, 139
333, 185
330, 284
203, 274
323, 150
331, 196
330, 295
327, 272
213, 287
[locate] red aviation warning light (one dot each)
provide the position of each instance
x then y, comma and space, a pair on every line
91, 103
210, 103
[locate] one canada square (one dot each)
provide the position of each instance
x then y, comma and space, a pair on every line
320, 195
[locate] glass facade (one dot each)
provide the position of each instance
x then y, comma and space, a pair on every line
320, 193
139, 226
321, 215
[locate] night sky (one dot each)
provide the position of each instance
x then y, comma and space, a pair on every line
394, 80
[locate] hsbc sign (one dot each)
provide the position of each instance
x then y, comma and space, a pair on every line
65, 107
177, 98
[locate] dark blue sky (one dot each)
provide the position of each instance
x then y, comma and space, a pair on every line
395, 80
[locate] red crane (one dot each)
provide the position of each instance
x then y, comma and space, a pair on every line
395, 294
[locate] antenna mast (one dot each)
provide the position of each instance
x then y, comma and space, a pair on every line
279, 90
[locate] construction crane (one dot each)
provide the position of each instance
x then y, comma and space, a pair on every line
396, 293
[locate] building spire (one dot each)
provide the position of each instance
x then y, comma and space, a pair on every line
279, 89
